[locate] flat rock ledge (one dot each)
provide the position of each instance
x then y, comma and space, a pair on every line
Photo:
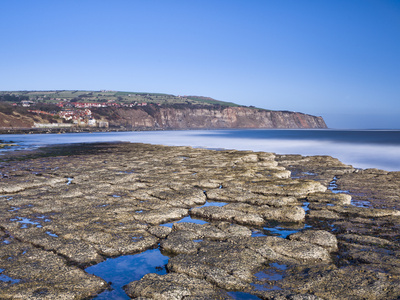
264, 225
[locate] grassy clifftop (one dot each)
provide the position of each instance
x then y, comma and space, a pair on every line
107, 96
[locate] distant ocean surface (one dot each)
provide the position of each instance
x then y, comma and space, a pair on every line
359, 148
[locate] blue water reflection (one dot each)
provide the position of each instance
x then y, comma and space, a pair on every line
124, 269
279, 230
242, 296
187, 219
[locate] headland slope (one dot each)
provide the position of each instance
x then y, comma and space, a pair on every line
107, 110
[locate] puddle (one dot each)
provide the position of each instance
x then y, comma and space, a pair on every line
51, 234
280, 230
14, 208
360, 203
297, 174
116, 196
265, 287
44, 218
305, 206
271, 276
309, 173
242, 296
276, 272
124, 269
334, 188
278, 266
214, 203
333, 227
25, 222
187, 219
5, 278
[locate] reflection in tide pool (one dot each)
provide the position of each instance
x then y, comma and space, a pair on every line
214, 203
124, 269
333, 187
268, 277
280, 230
187, 219
242, 296
5, 278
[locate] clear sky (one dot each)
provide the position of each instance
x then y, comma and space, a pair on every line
339, 59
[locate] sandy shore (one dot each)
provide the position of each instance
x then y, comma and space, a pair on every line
66, 208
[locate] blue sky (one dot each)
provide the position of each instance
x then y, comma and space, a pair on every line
339, 59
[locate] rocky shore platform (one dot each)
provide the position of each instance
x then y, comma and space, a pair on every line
273, 226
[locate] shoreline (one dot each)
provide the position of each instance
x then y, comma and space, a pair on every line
71, 130
69, 207
361, 149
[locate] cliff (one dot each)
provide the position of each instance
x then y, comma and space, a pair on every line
15, 120
137, 111
181, 117
212, 118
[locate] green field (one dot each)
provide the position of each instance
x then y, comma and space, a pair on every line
108, 96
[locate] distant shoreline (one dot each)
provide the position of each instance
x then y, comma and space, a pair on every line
71, 130
362, 149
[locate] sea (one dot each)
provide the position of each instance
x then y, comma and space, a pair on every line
360, 148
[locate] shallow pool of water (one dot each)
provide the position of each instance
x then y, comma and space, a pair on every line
123, 269
25, 222
333, 187
214, 203
5, 278
360, 203
187, 219
280, 230
305, 206
242, 296
267, 279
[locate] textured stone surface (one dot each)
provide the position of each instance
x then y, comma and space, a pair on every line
276, 226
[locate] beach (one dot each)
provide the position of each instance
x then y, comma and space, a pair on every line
218, 224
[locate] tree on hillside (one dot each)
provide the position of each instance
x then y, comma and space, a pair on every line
13, 98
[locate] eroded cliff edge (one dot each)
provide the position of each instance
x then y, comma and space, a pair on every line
225, 117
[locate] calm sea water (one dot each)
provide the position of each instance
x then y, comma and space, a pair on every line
360, 148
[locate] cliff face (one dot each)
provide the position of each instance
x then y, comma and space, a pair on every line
202, 118
15, 120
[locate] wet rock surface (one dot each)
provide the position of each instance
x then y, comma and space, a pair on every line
260, 224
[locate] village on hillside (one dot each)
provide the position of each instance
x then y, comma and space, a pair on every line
101, 109
78, 112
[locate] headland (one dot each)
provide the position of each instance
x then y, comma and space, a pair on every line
80, 111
